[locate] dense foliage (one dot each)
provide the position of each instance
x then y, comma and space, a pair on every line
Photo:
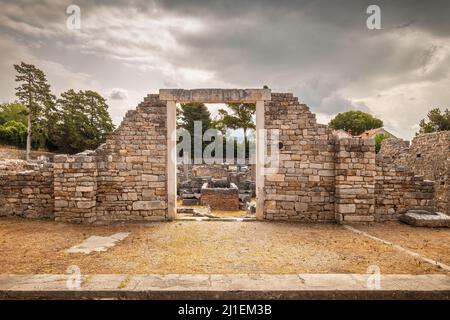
437, 121
355, 121
72, 123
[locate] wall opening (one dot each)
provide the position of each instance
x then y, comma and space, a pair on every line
172, 97
216, 152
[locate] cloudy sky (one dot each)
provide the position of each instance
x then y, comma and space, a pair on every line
322, 51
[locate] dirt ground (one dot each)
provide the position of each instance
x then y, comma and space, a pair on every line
434, 243
217, 213
213, 247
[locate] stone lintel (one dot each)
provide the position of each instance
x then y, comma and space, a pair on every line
215, 95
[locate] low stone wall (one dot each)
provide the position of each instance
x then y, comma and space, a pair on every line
27, 193
220, 198
9, 152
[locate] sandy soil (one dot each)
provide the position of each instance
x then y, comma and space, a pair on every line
216, 247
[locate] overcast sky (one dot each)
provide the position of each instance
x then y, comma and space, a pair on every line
322, 51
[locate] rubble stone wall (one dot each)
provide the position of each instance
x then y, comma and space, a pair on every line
27, 192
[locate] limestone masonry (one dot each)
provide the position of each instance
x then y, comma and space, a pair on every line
320, 177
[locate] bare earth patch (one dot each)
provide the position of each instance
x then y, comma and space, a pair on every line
189, 247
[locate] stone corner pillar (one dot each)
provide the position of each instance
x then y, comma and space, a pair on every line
75, 188
355, 180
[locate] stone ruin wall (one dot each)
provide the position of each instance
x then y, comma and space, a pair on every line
427, 156
399, 189
124, 179
303, 187
433, 163
320, 178
26, 190
355, 180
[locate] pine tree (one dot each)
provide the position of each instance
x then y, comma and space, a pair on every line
437, 121
188, 114
34, 93
241, 117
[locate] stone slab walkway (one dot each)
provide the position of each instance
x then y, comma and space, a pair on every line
220, 286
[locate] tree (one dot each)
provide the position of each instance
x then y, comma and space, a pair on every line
241, 117
379, 139
13, 112
13, 133
82, 121
188, 114
356, 121
34, 92
437, 121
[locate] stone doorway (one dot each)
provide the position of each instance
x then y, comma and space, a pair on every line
174, 96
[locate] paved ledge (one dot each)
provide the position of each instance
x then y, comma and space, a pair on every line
181, 286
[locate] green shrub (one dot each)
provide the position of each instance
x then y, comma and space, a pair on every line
13, 133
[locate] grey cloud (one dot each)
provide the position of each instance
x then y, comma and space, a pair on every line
321, 50
322, 96
118, 94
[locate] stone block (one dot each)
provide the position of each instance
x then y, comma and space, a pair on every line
148, 205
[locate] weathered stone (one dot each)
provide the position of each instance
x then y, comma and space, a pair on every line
148, 205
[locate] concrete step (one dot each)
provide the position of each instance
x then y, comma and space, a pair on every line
224, 286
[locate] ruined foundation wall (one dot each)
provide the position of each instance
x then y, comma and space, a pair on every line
27, 192
220, 198
303, 187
